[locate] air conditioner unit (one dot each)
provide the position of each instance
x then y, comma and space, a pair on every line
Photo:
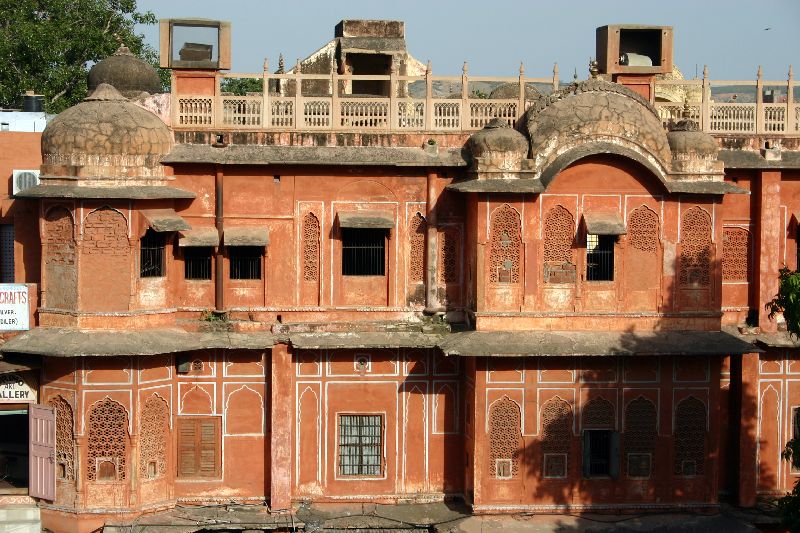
24, 179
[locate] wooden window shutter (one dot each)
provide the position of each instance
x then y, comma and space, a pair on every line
199, 447
187, 450
613, 469
586, 455
208, 446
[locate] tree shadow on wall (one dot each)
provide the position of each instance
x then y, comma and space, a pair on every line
663, 461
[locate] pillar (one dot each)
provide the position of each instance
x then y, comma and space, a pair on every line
748, 434
432, 304
281, 436
768, 243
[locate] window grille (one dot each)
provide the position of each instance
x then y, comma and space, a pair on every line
360, 445
197, 263
600, 257
152, 255
363, 252
7, 253
245, 262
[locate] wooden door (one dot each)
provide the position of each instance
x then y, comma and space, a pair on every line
42, 452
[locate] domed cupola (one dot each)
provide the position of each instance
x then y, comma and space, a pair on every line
105, 140
498, 148
127, 73
499, 161
694, 153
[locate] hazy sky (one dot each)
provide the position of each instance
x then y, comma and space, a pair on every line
731, 36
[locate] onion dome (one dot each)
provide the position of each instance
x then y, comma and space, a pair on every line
105, 137
126, 72
498, 147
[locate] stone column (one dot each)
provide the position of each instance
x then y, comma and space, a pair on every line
281, 435
768, 240
748, 434
432, 304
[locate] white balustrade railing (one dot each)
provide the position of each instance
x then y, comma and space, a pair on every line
719, 107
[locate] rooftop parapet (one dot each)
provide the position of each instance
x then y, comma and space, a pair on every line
465, 103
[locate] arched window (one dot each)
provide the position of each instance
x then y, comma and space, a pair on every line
65, 439
690, 437
416, 236
643, 230
506, 244
736, 244
448, 256
311, 238
556, 435
598, 413
639, 437
695, 256
153, 438
505, 438
108, 442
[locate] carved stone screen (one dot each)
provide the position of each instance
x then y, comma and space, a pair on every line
695, 256
598, 413
735, 254
154, 438
505, 436
311, 239
416, 262
643, 230
639, 437
556, 434
448, 256
506, 244
65, 441
107, 442
690, 437
559, 232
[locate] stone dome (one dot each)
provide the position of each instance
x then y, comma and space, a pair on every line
694, 153
105, 136
685, 137
510, 91
127, 73
498, 146
596, 112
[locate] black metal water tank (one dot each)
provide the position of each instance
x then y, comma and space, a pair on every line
32, 103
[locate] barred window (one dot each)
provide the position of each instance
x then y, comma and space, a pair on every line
363, 252
360, 445
7, 253
197, 263
152, 254
600, 257
245, 262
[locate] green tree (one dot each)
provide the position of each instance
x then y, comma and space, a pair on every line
242, 86
787, 301
48, 45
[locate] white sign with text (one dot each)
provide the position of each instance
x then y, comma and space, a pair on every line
15, 389
14, 307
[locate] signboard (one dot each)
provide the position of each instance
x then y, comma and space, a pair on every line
14, 307
14, 388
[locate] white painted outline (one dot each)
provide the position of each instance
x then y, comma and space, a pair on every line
194, 385
438, 387
228, 395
